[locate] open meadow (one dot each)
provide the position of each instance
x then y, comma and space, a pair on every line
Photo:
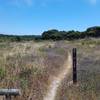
32, 66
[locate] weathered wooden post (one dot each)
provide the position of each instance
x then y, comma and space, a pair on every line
74, 55
8, 93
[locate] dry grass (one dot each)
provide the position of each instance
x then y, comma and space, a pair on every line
88, 73
29, 65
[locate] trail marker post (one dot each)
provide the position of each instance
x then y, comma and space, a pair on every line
8, 93
74, 56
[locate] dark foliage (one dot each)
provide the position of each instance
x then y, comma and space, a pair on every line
54, 35
71, 35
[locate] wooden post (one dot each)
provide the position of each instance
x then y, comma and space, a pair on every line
74, 54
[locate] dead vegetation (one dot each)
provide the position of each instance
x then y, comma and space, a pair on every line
28, 66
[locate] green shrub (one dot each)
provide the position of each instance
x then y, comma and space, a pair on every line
2, 73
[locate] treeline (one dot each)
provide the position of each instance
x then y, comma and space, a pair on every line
71, 35
54, 35
17, 38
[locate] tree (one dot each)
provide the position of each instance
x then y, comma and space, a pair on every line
93, 32
51, 34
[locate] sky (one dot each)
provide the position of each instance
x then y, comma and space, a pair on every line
33, 17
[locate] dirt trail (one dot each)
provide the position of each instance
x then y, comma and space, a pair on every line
56, 81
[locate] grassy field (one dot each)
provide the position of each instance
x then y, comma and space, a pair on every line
30, 65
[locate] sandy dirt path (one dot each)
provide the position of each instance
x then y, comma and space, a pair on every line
56, 81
